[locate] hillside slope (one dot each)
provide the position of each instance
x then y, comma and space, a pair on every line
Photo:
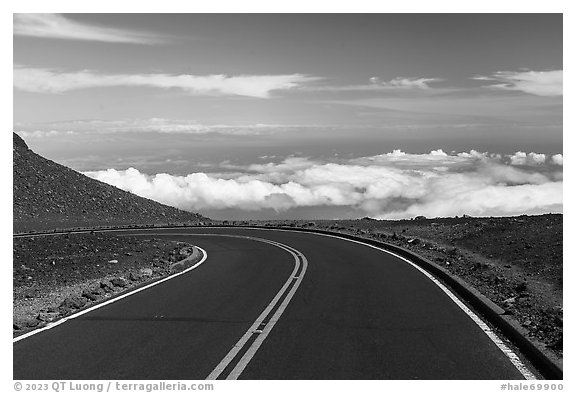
48, 195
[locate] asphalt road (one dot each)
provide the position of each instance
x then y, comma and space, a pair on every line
342, 310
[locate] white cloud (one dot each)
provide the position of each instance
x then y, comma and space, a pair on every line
541, 83
521, 158
396, 153
393, 185
377, 84
438, 152
483, 199
537, 158
558, 159
435, 158
42, 80
479, 155
404, 83
61, 27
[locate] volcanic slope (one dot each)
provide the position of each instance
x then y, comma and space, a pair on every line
48, 195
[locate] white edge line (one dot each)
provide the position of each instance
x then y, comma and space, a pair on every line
114, 299
512, 356
238, 346
514, 359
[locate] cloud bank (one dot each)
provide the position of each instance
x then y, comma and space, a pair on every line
541, 83
43, 80
392, 185
58, 26
152, 125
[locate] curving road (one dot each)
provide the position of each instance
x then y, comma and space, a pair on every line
271, 304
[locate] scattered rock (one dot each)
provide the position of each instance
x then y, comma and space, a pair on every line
522, 287
177, 267
527, 323
107, 286
97, 290
172, 258
558, 344
29, 293
558, 320
497, 279
119, 282
32, 322
90, 295
161, 262
47, 316
146, 272
73, 302
187, 251
77, 269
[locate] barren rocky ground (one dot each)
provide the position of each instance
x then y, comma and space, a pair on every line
47, 195
54, 276
515, 261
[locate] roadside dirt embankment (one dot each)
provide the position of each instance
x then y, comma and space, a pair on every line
55, 276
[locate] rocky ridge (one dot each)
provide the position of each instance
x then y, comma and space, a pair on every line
47, 195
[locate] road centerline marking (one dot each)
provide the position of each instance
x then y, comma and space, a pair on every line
241, 365
271, 313
263, 325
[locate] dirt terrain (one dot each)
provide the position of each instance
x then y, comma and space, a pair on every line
47, 195
54, 276
515, 261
